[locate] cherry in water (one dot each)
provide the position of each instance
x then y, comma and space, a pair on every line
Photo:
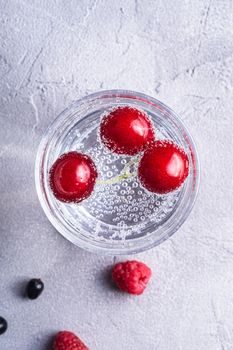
72, 177
126, 130
163, 167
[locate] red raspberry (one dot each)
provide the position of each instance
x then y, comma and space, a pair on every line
68, 341
126, 130
131, 276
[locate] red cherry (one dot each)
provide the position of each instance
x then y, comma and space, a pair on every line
163, 167
126, 130
72, 177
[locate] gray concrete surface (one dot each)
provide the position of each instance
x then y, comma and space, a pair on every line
55, 51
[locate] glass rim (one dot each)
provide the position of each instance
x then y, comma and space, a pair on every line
125, 247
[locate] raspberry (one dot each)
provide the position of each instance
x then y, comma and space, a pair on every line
68, 341
131, 276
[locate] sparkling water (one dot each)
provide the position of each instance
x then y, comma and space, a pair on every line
119, 208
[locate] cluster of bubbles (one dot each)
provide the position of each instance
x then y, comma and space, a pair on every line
124, 202
119, 206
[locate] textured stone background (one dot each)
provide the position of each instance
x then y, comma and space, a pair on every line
55, 51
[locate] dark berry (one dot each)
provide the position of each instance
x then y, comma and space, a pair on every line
3, 325
34, 288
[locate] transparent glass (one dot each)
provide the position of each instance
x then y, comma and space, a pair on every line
120, 217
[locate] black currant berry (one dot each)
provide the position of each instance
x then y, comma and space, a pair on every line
3, 325
34, 288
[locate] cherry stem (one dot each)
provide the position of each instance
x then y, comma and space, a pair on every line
125, 174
